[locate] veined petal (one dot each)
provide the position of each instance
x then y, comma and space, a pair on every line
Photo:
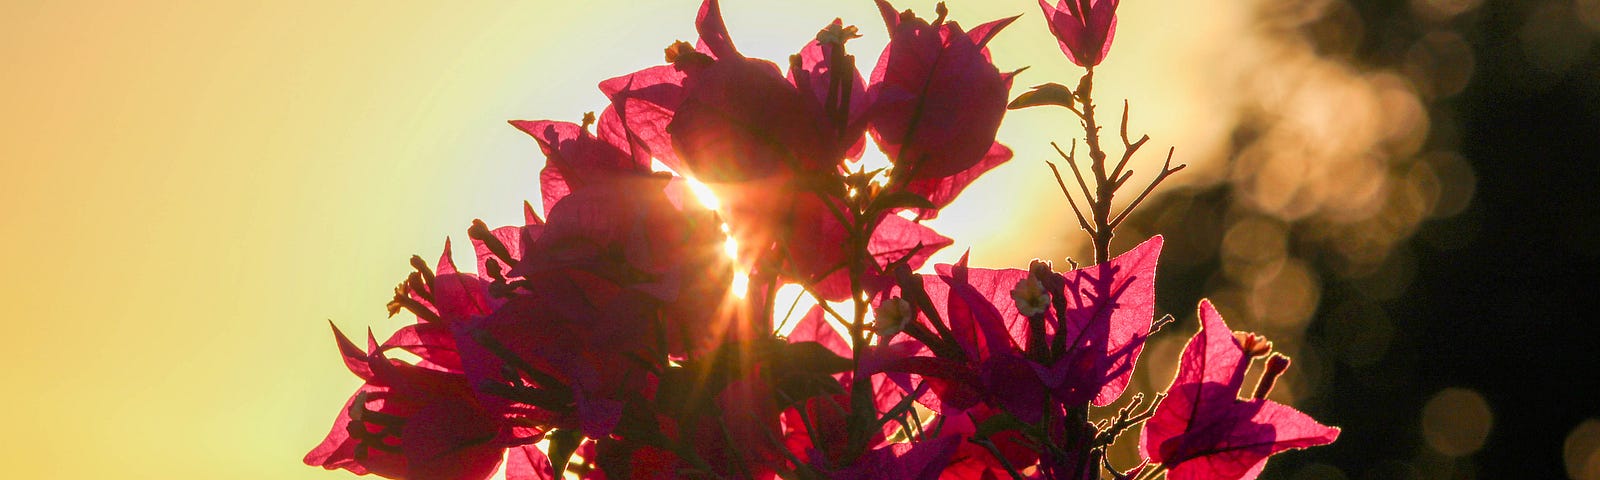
1202, 430
938, 100
1109, 308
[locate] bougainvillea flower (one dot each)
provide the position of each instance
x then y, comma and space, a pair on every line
740, 120
823, 70
576, 158
416, 423
643, 103
1095, 327
618, 269
758, 139
1204, 431
527, 462
940, 191
632, 236
442, 297
816, 253
579, 378
937, 97
1084, 28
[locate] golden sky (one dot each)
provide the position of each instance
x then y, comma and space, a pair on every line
193, 189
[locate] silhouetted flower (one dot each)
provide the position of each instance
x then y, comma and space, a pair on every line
1096, 325
1084, 28
1204, 431
937, 101
414, 423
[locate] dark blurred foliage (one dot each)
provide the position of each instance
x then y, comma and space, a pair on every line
1479, 318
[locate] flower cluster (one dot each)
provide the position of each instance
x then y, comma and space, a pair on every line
625, 330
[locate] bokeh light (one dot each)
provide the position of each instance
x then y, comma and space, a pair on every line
1581, 451
1456, 421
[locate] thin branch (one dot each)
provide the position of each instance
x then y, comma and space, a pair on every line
788, 315
826, 308
1126, 417
1063, 184
1117, 185
1128, 148
1161, 322
1166, 171
1075, 170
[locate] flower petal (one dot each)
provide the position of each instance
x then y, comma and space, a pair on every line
1108, 312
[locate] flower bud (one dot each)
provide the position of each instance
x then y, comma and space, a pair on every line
892, 316
1276, 365
837, 34
682, 54
1031, 297
1253, 345
1040, 268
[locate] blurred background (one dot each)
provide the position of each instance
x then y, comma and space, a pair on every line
1399, 193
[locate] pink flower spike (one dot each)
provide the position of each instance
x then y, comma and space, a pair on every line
1204, 431
1084, 28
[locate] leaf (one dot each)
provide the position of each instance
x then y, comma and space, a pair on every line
563, 442
1047, 94
809, 357
997, 423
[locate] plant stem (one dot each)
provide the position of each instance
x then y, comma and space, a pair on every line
1105, 185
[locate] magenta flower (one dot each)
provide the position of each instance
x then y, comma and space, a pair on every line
410, 422
576, 159
627, 232
1084, 28
443, 298
1204, 431
937, 99
619, 273
1095, 324
613, 328
758, 137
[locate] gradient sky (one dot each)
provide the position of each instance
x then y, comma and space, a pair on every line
192, 190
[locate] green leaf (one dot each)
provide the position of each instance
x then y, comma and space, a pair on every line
563, 443
1047, 94
808, 357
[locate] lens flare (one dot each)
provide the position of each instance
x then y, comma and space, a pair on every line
703, 193
741, 285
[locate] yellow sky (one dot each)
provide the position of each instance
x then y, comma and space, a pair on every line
193, 189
